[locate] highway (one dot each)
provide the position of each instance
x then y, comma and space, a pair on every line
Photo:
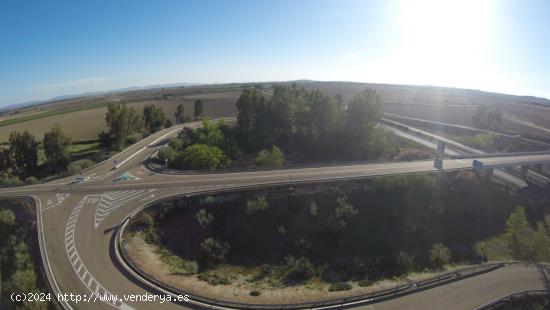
78, 222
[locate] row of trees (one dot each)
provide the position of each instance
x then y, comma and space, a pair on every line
18, 271
20, 158
126, 125
292, 119
296, 119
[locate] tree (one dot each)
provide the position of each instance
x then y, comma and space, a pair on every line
274, 158
179, 114
440, 255
154, 118
214, 250
23, 150
7, 217
337, 222
200, 157
167, 155
122, 122
56, 145
204, 218
541, 241
362, 113
247, 106
519, 234
485, 119
256, 205
199, 109
6, 166
209, 134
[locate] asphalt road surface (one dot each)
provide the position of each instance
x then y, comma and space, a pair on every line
78, 222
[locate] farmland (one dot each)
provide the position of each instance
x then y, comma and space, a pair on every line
84, 117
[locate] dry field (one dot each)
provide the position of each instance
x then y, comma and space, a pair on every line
86, 124
433, 103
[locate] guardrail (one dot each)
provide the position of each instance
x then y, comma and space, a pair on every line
366, 298
510, 298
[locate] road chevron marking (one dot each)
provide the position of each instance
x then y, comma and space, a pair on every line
112, 200
78, 265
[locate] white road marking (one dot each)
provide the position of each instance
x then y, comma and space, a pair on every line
77, 263
111, 201
60, 198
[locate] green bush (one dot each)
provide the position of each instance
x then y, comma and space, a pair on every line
177, 264
200, 157
440, 255
257, 205
79, 165
214, 250
204, 218
339, 286
166, 154
214, 279
255, 293
10, 181
273, 159
7, 217
298, 269
31, 180
365, 283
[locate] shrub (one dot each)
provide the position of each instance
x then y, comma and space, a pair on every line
215, 251
7, 217
255, 293
201, 157
204, 218
255, 206
31, 180
298, 269
131, 139
339, 286
274, 158
11, 181
166, 154
365, 283
214, 279
440, 255
79, 165
177, 264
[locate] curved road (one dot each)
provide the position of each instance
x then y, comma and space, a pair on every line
78, 222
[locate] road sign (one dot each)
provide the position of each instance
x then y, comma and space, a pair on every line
478, 165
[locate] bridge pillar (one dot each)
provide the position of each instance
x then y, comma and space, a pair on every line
524, 171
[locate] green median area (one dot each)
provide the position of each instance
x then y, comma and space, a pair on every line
325, 241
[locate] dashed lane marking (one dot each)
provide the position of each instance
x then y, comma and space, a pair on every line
76, 262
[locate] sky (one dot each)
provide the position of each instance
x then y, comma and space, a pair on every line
52, 48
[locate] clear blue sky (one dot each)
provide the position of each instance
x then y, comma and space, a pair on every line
51, 48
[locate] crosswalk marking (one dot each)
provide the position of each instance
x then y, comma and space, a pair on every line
110, 201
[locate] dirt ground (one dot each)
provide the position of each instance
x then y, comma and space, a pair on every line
143, 255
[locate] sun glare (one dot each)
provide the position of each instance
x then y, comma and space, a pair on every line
442, 42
